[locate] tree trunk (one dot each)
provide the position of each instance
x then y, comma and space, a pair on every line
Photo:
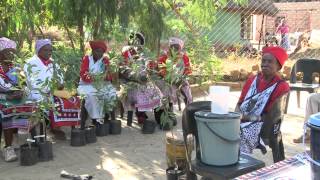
20, 40
29, 40
40, 30
81, 32
97, 23
31, 31
80, 22
159, 47
69, 35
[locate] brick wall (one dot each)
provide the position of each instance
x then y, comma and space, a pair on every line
300, 16
315, 19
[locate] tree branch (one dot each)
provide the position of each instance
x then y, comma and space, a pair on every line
41, 32
69, 35
180, 16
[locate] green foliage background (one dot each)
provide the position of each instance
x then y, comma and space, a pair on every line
82, 20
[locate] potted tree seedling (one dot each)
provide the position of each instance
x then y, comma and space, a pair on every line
69, 58
112, 126
29, 153
137, 72
45, 146
173, 79
40, 115
37, 147
109, 105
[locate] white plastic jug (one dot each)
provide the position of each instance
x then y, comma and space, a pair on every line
219, 97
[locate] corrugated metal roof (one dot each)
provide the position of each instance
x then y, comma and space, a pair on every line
265, 7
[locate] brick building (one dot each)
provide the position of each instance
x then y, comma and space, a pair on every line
300, 16
249, 23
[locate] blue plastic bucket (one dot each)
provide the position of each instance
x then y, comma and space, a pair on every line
314, 125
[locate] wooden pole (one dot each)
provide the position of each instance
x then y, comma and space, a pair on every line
261, 32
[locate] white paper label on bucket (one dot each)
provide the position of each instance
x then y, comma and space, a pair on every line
219, 97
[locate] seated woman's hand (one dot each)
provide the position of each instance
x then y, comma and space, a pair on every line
245, 118
180, 82
136, 56
15, 95
143, 79
60, 87
249, 118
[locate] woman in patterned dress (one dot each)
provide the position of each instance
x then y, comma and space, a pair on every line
283, 29
13, 109
258, 95
141, 94
180, 67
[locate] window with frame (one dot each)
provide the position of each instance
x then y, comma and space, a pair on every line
246, 27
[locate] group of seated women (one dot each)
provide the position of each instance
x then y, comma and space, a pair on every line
20, 102
140, 93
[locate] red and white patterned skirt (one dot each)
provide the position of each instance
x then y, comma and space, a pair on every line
67, 112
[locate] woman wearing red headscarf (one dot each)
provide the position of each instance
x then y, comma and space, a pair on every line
258, 95
95, 83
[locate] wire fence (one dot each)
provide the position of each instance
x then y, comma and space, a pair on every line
251, 27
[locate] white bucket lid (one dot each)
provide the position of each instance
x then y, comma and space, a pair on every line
314, 119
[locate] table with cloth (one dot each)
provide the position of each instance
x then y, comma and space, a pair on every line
295, 168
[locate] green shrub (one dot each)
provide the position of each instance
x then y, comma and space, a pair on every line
70, 61
206, 66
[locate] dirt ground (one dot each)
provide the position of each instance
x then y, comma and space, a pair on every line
132, 155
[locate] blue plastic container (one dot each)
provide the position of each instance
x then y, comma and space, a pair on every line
314, 125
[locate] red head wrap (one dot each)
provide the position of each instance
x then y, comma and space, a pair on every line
99, 44
278, 52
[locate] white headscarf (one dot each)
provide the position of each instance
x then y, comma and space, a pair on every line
175, 40
42, 42
6, 43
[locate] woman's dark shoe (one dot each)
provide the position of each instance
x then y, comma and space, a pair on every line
157, 115
174, 121
129, 118
300, 139
58, 134
141, 119
106, 117
141, 116
113, 115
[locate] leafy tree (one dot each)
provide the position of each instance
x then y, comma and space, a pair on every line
19, 19
99, 19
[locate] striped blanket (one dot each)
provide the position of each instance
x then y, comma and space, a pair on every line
66, 113
15, 113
